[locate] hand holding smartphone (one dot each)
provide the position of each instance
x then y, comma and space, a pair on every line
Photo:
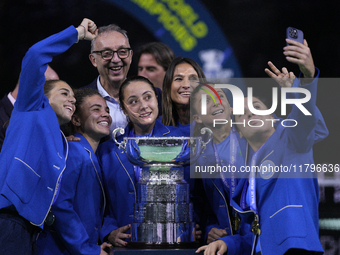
294, 34
300, 54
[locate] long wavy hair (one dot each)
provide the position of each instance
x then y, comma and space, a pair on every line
169, 111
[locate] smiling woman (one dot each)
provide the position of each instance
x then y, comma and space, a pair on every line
92, 116
217, 154
264, 127
267, 202
182, 74
138, 100
81, 183
61, 98
34, 152
215, 110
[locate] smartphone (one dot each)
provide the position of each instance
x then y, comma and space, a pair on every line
294, 34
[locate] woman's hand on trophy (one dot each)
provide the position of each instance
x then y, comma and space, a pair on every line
198, 232
118, 235
215, 233
105, 249
218, 247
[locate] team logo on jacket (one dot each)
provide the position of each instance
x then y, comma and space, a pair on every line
267, 169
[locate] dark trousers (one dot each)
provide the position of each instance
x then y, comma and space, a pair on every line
300, 252
17, 235
295, 252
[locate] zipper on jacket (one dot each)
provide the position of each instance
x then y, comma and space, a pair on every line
102, 188
56, 186
225, 201
129, 176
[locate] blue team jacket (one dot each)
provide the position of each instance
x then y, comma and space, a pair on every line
34, 152
120, 181
79, 208
288, 207
218, 199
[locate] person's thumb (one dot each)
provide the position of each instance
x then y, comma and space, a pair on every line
222, 250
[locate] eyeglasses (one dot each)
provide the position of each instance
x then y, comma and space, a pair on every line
108, 54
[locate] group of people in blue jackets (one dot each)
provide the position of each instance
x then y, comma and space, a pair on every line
77, 197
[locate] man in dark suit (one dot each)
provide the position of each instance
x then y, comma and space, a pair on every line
7, 104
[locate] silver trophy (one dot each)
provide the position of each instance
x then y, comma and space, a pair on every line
163, 214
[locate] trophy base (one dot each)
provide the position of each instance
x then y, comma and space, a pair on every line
163, 233
182, 245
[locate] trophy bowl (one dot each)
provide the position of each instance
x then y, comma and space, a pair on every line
162, 150
163, 214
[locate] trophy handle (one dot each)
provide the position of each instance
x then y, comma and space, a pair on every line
210, 136
121, 145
